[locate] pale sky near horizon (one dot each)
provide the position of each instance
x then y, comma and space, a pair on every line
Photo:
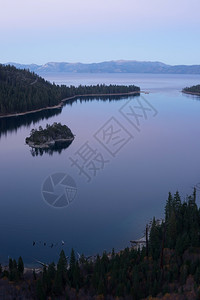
40, 31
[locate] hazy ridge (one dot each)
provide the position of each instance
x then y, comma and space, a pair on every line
120, 66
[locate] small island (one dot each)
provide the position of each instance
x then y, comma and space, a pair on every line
50, 136
193, 90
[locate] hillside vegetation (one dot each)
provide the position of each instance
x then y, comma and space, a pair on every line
195, 89
49, 135
167, 268
23, 91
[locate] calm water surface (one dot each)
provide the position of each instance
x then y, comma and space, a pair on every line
131, 188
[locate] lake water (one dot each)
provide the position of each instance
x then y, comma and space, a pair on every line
132, 164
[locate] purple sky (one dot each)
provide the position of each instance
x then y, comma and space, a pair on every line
39, 31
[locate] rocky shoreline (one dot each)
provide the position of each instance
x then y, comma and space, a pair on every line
49, 144
49, 137
191, 93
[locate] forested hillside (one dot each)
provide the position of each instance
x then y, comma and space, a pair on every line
22, 91
170, 264
167, 268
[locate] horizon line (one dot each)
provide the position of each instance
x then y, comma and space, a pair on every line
105, 61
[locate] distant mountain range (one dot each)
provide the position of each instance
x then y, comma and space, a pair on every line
119, 66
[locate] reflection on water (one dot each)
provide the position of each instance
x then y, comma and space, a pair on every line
192, 97
58, 147
114, 207
105, 98
11, 124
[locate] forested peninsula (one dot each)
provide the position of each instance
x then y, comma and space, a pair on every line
22, 91
193, 90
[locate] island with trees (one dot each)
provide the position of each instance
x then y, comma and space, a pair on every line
50, 136
193, 90
22, 91
167, 267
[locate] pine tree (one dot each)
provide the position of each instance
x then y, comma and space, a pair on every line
176, 201
113, 252
155, 240
34, 275
15, 274
172, 230
168, 207
58, 283
101, 287
40, 291
10, 264
62, 268
51, 271
20, 266
72, 260
14, 264
194, 194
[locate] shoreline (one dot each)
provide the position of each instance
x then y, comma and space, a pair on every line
60, 105
48, 145
191, 93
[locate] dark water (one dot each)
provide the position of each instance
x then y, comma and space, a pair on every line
130, 187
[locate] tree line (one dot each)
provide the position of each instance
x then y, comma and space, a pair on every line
193, 89
172, 258
51, 133
22, 91
168, 266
